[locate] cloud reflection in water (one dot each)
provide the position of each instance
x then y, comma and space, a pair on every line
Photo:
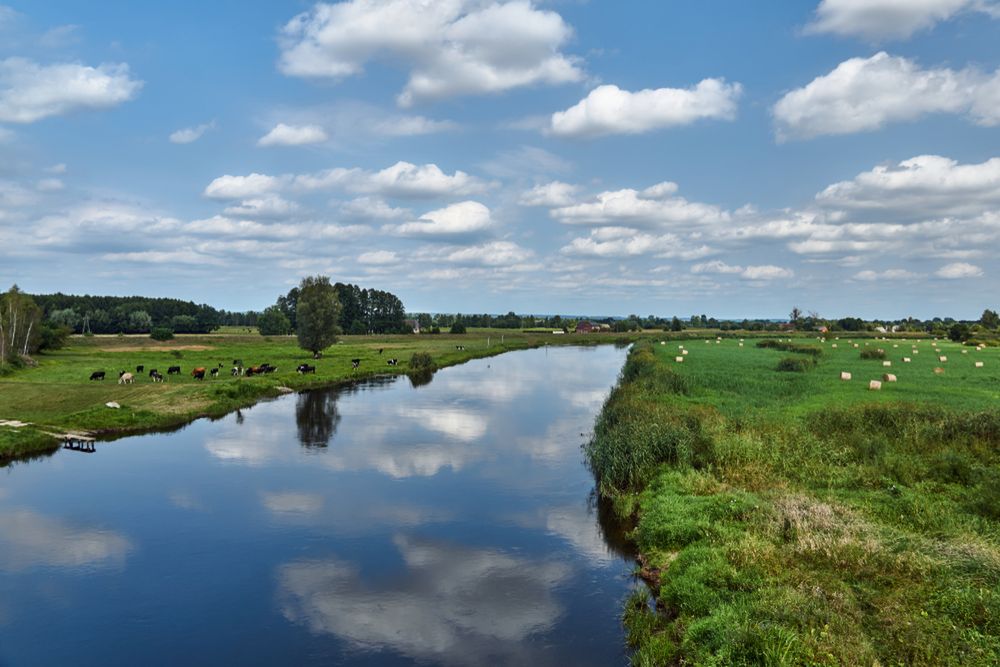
453, 604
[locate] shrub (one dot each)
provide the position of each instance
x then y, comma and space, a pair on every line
421, 361
797, 348
458, 328
794, 365
873, 354
161, 333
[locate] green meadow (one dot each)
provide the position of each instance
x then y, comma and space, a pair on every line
792, 518
56, 396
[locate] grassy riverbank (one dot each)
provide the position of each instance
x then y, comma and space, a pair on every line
793, 518
56, 396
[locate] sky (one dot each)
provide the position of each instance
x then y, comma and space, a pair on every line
649, 157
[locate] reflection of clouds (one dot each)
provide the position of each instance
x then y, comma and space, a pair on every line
463, 425
292, 502
454, 604
253, 443
184, 500
403, 459
560, 436
29, 539
580, 528
589, 400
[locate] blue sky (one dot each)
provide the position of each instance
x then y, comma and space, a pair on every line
730, 158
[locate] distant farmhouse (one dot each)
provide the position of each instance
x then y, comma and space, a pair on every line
412, 324
585, 326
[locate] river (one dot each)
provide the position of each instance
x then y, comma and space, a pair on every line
387, 523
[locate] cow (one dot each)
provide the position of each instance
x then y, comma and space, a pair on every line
198, 373
126, 378
380, 350
220, 365
122, 372
237, 362
355, 363
140, 368
393, 362
266, 368
253, 370
97, 375
214, 372
153, 371
154, 376
174, 370
235, 371
306, 368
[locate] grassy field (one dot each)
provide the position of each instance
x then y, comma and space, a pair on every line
793, 518
57, 396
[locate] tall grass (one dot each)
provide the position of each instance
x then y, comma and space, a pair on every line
796, 520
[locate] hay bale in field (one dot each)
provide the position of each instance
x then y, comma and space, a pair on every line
965, 351
895, 346
906, 360
942, 359
663, 342
887, 363
834, 346
856, 345
684, 351
979, 364
741, 344
888, 377
679, 359
874, 385
680, 347
938, 371
844, 375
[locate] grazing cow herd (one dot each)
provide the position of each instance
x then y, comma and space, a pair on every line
238, 370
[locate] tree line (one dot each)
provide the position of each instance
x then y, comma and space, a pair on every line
126, 314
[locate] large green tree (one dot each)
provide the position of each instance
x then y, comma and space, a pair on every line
990, 319
317, 311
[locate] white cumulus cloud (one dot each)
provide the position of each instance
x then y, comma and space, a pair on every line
293, 135
958, 270
888, 274
759, 273
378, 257
495, 253
30, 91
889, 19
243, 187
555, 193
652, 206
188, 135
864, 94
920, 186
461, 218
453, 47
610, 110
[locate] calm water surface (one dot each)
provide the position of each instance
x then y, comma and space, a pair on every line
385, 524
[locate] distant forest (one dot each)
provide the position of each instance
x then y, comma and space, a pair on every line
362, 311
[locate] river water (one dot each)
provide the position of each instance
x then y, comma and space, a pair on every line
383, 524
